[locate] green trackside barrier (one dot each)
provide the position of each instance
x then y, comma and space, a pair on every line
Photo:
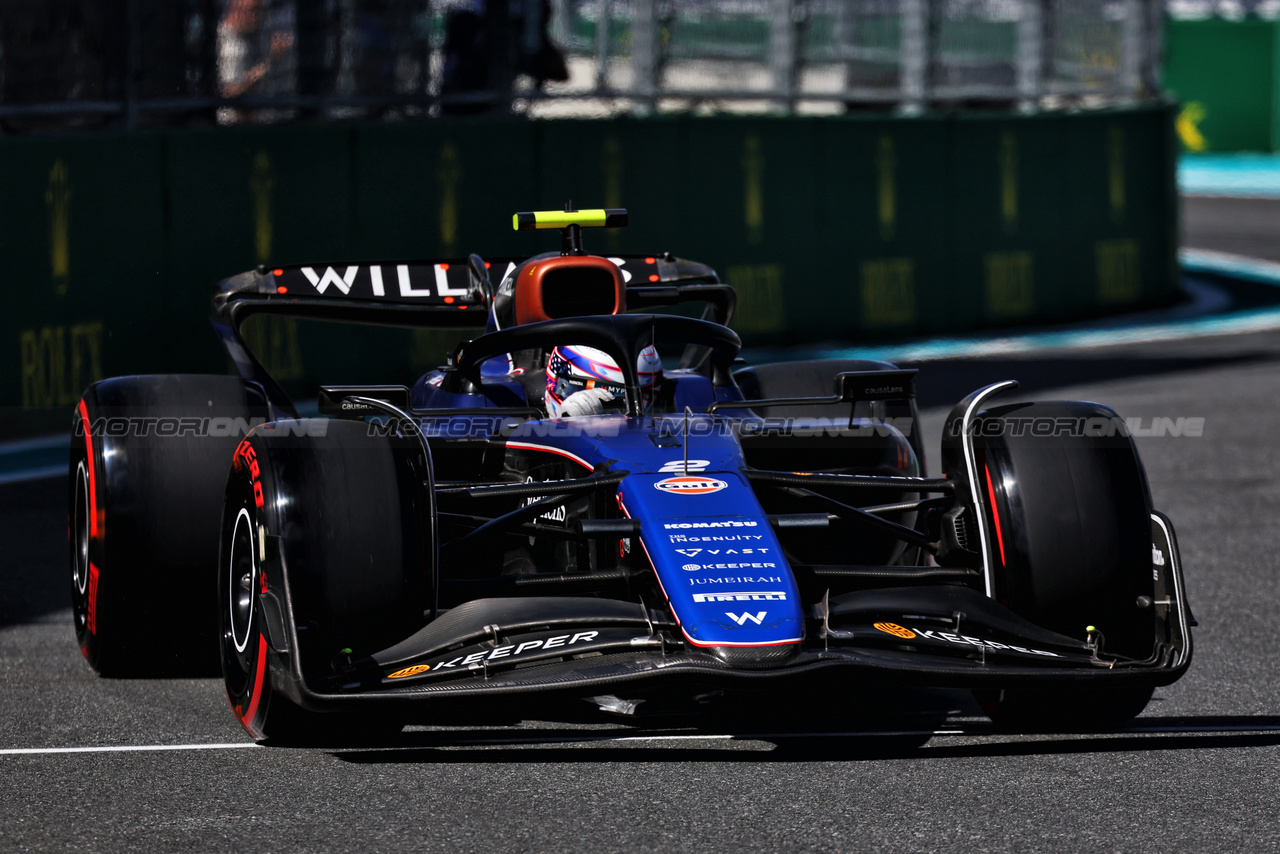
86, 288
848, 228
887, 204
1227, 76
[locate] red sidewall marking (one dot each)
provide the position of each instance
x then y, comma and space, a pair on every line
245, 452
995, 514
247, 718
92, 620
93, 492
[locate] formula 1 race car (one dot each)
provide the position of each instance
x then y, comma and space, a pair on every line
596, 499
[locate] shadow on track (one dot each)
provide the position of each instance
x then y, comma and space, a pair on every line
576, 747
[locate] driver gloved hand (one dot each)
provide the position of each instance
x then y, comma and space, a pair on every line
589, 401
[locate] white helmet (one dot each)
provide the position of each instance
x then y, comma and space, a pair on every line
575, 369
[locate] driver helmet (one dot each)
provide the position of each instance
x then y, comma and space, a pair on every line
573, 369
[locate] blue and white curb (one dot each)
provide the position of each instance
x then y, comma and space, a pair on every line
34, 459
1207, 314
1230, 175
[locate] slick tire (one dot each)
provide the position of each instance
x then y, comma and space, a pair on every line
1069, 515
148, 465
340, 516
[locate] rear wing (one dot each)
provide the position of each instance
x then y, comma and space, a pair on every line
427, 294
437, 293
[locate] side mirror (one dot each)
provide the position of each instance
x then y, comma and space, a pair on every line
854, 386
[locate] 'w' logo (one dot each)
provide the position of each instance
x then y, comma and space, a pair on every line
321, 283
741, 619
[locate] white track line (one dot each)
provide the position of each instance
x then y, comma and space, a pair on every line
126, 748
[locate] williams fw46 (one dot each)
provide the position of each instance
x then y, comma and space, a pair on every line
594, 498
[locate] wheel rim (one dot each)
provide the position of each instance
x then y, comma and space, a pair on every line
242, 578
80, 531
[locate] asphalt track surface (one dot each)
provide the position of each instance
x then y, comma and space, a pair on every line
885, 770
1248, 227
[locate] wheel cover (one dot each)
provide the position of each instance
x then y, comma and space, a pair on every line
80, 531
242, 577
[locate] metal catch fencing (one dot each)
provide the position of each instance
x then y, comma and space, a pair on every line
822, 55
89, 63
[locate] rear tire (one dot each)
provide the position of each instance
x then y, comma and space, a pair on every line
148, 462
1070, 536
344, 516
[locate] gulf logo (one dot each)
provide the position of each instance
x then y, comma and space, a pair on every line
690, 485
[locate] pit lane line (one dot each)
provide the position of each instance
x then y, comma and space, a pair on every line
760, 736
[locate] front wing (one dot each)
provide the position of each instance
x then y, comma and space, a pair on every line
936, 636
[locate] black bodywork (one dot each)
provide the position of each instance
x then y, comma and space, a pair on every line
444, 542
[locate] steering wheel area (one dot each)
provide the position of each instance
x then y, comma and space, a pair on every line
622, 336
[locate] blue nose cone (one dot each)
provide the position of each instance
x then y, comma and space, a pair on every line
719, 564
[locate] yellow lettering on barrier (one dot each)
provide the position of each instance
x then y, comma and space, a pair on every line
1119, 271
761, 306
57, 198
1009, 181
58, 362
888, 292
753, 187
886, 185
450, 176
1010, 284
86, 357
53, 365
262, 182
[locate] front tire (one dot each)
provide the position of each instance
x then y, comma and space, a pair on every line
1069, 513
341, 517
